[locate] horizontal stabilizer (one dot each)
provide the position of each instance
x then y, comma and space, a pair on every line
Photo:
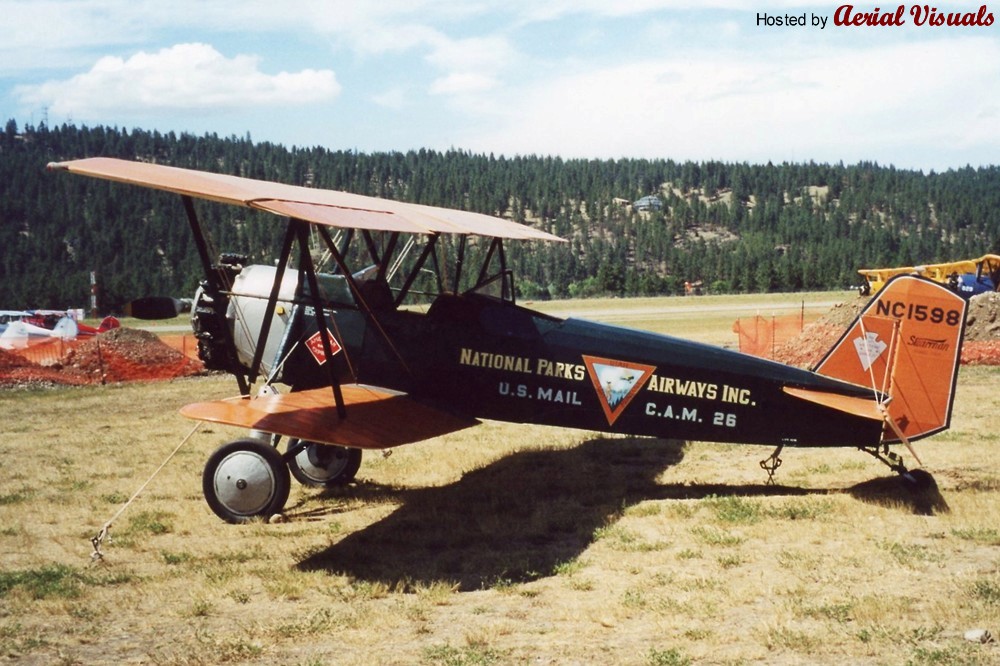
864, 407
376, 419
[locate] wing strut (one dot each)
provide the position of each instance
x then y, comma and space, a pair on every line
437, 272
459, 261
503, 269
338, 258
272, 302
496, 250
306, 265
383, 266
372, 247
431, 243
215, 287
199, 240
484, 270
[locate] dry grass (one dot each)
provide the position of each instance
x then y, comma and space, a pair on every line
503, 544
705, 318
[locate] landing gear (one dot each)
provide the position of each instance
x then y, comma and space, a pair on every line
249, 478
916, 480
322, 465
245, 479
890, 458
771, 464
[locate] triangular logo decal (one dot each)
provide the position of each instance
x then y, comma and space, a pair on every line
616, 383
869, 348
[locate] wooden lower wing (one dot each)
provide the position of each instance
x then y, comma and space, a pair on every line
376, 419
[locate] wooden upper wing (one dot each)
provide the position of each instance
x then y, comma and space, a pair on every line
327, 207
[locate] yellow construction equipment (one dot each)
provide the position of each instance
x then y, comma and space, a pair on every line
966, 278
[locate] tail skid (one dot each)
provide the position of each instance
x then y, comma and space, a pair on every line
905, 345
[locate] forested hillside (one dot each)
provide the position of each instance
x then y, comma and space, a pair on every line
736, 227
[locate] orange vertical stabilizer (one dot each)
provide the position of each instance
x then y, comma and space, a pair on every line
906, 344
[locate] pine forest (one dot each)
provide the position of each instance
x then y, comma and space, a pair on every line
633, 226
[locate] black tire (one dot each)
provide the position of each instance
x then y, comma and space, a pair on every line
245, 479
324, 465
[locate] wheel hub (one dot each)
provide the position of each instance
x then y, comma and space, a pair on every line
244, 483
320, 462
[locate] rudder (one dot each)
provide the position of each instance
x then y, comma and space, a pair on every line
906, 345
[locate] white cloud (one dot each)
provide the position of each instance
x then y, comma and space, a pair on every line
472, 65
182, 77
491, 53
459, 83
43, 34
376, 39
824, 104
394, 98
665, 78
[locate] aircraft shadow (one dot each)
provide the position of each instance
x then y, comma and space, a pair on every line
512, 521
517, 519
893, 491
888, 491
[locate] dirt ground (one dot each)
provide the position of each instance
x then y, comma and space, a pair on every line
503, 544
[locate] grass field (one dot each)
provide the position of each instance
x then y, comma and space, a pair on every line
502, 544
703, 318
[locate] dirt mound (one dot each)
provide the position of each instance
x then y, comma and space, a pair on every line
128, 354
982, 322
809, 346
982, 333
118, 355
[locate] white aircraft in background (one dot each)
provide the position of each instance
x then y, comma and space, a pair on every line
18, 334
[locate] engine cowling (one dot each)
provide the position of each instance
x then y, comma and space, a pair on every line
240, 311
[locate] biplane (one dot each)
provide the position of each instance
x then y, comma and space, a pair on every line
967, 278
345, 362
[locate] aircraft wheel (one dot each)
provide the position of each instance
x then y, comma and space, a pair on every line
323, 465
245, 479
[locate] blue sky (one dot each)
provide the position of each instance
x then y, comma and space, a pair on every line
576, 78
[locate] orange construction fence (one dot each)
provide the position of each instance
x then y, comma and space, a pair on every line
185, 343
51, 351
762, 336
